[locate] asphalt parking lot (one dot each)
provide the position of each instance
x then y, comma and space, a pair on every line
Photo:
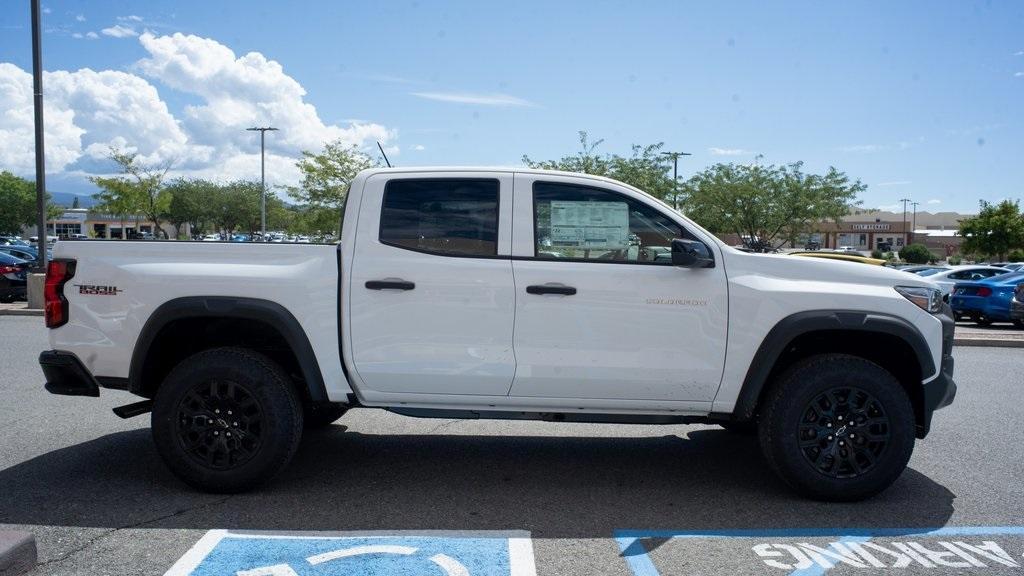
591, 499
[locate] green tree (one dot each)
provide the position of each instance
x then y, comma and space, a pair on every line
138, 190
768, 205
327, 175
18, 204
916, 254
645, 168
191, 202
997, 229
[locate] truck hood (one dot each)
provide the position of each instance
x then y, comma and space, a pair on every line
817, 270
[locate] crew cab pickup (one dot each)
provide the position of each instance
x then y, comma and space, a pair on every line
502, 293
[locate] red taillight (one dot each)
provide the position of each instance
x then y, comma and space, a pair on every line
58, 272
5, 269
983, 291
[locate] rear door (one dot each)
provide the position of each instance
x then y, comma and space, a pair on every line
601, 311
432, 302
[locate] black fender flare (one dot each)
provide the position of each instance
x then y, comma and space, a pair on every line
270, 313
795, 325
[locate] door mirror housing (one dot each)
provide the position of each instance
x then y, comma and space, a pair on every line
691, 254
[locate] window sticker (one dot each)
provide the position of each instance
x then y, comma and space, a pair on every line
602, 225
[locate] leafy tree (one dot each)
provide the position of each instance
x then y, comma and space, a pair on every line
916, 254
191, 203
18, 204
139, 189
768, 205
997, 229
1016, 256
326, 177
646, 168
75, 203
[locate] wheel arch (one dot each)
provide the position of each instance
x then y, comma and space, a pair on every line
181, 327
887, 340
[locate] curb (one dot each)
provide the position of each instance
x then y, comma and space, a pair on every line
21, 312
17, 552
988, 342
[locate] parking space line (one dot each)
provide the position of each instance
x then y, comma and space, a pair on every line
637, 558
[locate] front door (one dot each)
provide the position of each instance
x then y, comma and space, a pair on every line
601, 312
431, 292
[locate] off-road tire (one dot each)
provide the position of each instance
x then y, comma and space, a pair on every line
267, 420
787, 414
320, 416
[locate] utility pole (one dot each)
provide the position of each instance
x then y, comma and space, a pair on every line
913, 226
906, 237
263, 178
37, 93
675, 175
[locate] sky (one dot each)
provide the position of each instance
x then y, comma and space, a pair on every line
918, 100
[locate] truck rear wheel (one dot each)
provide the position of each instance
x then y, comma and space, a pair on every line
226, 419
837, 427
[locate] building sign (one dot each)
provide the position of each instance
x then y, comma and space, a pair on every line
876, 226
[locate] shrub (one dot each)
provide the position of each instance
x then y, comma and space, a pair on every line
1016, 256
877, 254
955, 260
916, 254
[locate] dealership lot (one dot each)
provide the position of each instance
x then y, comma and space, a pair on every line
592, 499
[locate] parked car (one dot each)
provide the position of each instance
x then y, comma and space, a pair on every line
27, 253
986, 301
13, 277
212, 238
945, 279
845, 257
12, 241
838, 368
925, 269
1013, 266
1017, 305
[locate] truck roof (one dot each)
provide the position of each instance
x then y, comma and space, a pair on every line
509, 169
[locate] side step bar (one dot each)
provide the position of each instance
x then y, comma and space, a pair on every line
136, 409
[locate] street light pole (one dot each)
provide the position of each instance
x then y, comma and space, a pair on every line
263, 178
906, 238
675, 175
913, 226
37, 93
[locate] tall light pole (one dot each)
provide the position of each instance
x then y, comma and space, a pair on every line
675, 175
37, 92
913, 226
906, 238
263, 178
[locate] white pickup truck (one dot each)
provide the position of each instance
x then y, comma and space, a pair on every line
502, 293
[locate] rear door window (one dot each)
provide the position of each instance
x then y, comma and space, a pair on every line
448, 217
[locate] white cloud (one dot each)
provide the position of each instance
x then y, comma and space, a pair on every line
935, 201
119, 31
77, 35
479, 99
89, 111
46, 10
1018, 74
419, 147
130, 18
1019, 53
728, 151
91, 35
80, 18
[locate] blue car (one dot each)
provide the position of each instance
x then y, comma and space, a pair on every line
986, 301
27, 253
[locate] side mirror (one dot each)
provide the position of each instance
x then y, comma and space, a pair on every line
691, 254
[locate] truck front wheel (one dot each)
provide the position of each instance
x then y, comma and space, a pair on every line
837, 427
226, 419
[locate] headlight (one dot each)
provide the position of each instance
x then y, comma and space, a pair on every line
927, 299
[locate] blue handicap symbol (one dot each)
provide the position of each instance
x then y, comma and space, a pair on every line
222, 553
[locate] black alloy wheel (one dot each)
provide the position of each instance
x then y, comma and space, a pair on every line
220, 424
843, 433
